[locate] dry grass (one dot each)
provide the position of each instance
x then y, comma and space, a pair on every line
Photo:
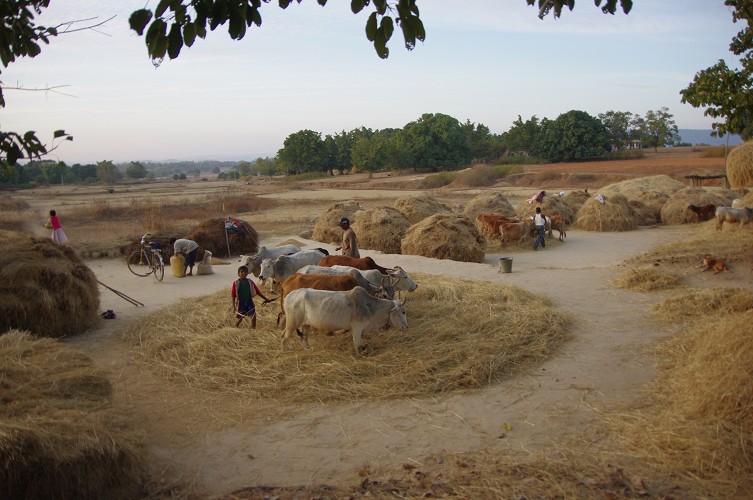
327, 228
417, 208
59, 435
511, 329
489, 203
552, 205
675, 210
445, 236
615, 214
648, 278
211, 235
698, 304
380, 228
740, 166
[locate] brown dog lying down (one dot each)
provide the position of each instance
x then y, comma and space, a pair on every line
712, 263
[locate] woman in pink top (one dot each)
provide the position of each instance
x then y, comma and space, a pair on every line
58, 236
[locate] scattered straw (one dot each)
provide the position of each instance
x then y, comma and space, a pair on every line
445, 236
699, 304
647, 278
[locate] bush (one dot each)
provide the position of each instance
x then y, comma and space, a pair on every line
438, 180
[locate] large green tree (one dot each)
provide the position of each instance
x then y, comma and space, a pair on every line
619, 126
727, 93
302, 152
522, 136
657, 128
438, 142
573, 136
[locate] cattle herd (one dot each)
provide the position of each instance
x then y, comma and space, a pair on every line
515, 230
331, 292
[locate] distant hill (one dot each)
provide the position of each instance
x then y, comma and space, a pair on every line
703, 136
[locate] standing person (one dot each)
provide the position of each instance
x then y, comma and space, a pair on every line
539, 224
58, 236
186, 248
242, 294
350, 244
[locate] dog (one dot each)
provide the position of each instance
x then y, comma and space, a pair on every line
712, 263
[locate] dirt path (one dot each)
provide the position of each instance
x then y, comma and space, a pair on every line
222, 444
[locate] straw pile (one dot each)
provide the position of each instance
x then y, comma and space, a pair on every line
747, 200
489, 203
380, 228
211, 235
740, 166
445, 236
327, 227
697, 304
575, 200
552, 205
45, 288
60, 437
615, 214
675, 210
647, 278
462, 335
417, 208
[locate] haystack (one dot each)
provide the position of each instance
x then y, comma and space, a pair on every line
576, 199
417, 208
643, 213
551, 205
45, 288
489, 203
60, 437
653, 191
380, 228
740, 166
747, 200
211, 235
445, 236
675, 210
615, 214
327, 228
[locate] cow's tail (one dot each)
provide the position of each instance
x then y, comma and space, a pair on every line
323, 250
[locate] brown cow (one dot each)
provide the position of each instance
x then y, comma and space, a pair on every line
703, 212
489, 223
515, 232
558, 222
364, 263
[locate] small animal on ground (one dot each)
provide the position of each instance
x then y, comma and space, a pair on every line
711, 263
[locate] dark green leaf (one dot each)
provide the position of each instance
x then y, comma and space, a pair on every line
161, 8
371, 26
237, 27
189, 34
58, 133
381, 6
175, 41
357, 5
387, 27
139, 19
256, 17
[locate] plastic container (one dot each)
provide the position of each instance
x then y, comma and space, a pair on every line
505, 264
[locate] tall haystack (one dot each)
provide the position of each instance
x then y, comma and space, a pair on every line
380, 228
740, 166
417, 208
615, 214
60, 437
327, 228
653, 191
45, 288
211, 235
675, 210
551, 205
489, 203
445, 236
576, 199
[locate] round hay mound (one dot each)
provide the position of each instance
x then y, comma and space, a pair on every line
747, 200
417, 208
740, 166
210, 235
645, 215
45, 288
445, 236
576, 199
675, 210
60, 437
615, 214
380, 228
552, 205
327, 227
489, 203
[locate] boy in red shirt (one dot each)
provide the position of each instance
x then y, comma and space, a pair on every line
243, 292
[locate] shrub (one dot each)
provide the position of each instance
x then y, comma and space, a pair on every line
438, 180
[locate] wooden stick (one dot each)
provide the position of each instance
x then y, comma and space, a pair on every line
122, 295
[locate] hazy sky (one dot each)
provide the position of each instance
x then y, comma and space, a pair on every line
311, 67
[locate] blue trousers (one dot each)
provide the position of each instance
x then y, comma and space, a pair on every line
539, 238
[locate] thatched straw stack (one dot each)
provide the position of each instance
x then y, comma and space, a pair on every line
380, 228
211, 235
653, 192
417, 208
45, 288
445, 236
615, 214
489, 203
59, 435
675, 210
552, 205
327, 228
490, 333
576, 199
740, 166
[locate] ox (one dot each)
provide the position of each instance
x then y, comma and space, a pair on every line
702, 212
253, 262
285, 266
369, 286
731, 215
489, 223
515, 232
363, 263
354, 310
396, 278
558, 223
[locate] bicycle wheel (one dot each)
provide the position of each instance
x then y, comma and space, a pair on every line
138, 263
158, 267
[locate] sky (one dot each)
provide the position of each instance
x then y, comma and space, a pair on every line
311, 67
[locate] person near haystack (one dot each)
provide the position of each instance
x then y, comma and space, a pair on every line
350, 243
58, 235
539, 224
186, 248
242, 294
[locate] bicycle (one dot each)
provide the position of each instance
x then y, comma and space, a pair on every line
147, 259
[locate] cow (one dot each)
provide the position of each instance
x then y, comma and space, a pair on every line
489, 223
285, 266
253, 262
354, 310
396, 278
702, 212
558, 222
731, 215
363, 263
370, 286
515, 232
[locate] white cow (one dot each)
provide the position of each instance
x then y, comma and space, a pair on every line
731, 215
396, 277
354, 310
285, 266
253, 262
384, 290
